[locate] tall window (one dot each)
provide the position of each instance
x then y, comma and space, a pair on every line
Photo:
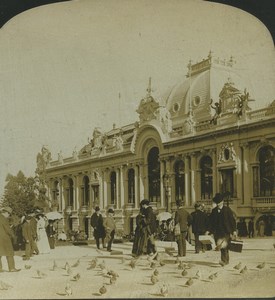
267, 171
154, 175
113, 187
179, 180
131, 186
206, 177
71, 192
86, 191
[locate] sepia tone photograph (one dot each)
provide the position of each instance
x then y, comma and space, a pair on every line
137, 149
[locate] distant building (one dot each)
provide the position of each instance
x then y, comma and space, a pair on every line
184, 146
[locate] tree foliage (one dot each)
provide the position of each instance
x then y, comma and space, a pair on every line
22, 194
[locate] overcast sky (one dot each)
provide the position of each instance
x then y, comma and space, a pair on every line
63, 65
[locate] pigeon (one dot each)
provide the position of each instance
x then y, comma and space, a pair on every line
112, 273
66, 266
189, 282
154, 279
162, 263
184, 272
215, 274
102, 290
261, 266
238, 266
68, 289
27, 267
164, 290
132, 263
181, 265
4, 285
152, 264
92, 265
40, 274
76, 264
76, 277
113, 279
69, 271
197, 275
54, 265
211, 277
156, 272
102, 265
244, 270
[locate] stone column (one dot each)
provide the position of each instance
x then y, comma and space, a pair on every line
137, 196
76, 193
193, 178
239, 179
214, 168
105, 188
247, 174
187, 180
162, 187
141, 182
122, 187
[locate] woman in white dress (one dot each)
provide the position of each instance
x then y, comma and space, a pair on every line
42, 238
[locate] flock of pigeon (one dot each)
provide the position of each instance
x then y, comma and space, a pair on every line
110, 276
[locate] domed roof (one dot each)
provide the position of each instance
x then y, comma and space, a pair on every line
204, 81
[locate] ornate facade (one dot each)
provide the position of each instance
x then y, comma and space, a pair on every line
200, 138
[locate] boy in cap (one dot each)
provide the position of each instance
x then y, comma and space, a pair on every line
223, 226
6, 237
199, 226
110, 228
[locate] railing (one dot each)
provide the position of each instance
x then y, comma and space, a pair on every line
263, 201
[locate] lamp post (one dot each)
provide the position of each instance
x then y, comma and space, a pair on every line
167, 187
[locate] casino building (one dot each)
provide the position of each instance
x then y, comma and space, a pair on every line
200, 138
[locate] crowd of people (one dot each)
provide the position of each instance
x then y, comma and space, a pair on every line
220, 223
35, 234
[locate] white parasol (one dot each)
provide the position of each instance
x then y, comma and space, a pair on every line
164, 216
54, 215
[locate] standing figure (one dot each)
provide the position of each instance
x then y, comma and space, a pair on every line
150, 223
33, 225
6, 237
50, 230
251, 228
223, 227
199, 226
141, 236
110, 228
261, 228
184, 219
97, 224
28, 237
42, 239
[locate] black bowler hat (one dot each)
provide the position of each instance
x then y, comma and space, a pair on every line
97, 208
218, 198
111, 211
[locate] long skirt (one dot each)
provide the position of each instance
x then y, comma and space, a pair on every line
140, 242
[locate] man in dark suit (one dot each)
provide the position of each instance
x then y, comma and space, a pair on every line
97, 224
223, 227
184, 219
6, 237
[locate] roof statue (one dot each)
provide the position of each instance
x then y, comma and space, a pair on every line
43, 159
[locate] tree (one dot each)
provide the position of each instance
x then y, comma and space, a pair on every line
22, 194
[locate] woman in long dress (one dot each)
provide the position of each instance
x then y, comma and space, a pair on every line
42, 238
141, 236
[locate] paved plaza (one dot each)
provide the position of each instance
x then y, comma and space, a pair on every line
38, 279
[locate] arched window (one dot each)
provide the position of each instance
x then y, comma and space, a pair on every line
70, 192
267, 171
113, 188
131, 186
55, 191
154, 175
206, 178
86, 191
179, 180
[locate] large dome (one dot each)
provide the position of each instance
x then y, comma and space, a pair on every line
204, 81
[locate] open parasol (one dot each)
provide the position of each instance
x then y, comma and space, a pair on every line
54, 215
164, 216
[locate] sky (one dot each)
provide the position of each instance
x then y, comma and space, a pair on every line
63, 66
